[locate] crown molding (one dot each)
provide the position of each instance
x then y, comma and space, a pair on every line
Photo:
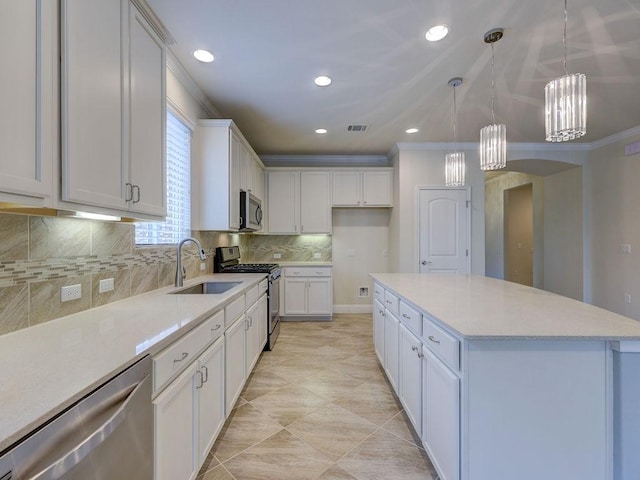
616, 137
189, 83
324, 160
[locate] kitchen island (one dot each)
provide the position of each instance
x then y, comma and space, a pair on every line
504, 381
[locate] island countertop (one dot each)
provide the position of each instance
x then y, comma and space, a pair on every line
48, 367
478, 307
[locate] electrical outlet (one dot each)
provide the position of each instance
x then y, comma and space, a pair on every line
626, 248
351, 252
277, 255
106, 285
317, 255
203, 266
627, 298
72, 292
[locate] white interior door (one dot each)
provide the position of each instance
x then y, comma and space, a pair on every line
444, 230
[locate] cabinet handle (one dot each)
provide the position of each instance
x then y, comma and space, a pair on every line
414, 348
206, 374
246, 324
432, 338
137, 187
404, 315
184, 355
199, 373
420, 355
388, 302
250, 320
217, 327
129, 196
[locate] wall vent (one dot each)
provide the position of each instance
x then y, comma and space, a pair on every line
357, 128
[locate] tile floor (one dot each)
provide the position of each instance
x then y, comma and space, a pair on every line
318, 407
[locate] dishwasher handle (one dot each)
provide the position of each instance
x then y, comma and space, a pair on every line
61, 466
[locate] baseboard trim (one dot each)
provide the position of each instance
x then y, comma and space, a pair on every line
352, 308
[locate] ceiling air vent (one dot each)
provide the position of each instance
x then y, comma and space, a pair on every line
357, 128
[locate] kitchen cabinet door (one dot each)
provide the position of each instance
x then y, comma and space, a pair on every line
235, 362
319, 296
93, 171
377, 188
175, 418
378, 330
346, 188
27, 128
263, 319
283, 202
147, 161
441, 416
391, 348
295, 296
315, 202
410, 384
252, 336
211, 401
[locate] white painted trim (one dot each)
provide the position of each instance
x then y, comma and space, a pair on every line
616, 137
324, 160
626, 346
353, 308
174, 65
181, 114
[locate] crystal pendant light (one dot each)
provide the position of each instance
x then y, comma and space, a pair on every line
454, 163
565, 102
493, 138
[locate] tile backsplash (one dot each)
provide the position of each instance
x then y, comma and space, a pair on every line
292, 248
40, 255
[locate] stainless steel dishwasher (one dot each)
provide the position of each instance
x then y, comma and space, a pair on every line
106, 435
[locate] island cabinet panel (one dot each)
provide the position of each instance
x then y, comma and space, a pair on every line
542, 404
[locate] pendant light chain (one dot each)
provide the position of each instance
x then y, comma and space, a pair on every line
564, 38
455, 138
493, 84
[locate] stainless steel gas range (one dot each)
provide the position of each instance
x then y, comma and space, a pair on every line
227, 260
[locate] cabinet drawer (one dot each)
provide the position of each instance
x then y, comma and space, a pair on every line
443, 344
264, 286
411, 317
234, 310
378, 292
252, 295
391, 302
307, 272
182, 352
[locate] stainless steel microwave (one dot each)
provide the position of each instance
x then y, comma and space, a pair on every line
250, 212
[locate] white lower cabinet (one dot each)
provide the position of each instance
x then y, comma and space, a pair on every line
441, 416
391, 352
378, 330
211, 406
189, 413
235, 362
256, 331
308, 291
410, 370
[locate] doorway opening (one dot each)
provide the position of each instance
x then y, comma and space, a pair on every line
518, 234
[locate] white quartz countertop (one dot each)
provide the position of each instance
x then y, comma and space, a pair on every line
478, 307
46, 368
305, 264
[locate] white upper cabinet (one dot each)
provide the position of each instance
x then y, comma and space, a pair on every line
299, 201
28, 78
363, 188
224, 163
113, 108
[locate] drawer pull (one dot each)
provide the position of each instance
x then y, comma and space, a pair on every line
389, 302
404, 315
184, 355
217, 327
420, 355
432, 338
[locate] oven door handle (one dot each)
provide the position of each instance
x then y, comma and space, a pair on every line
72, 458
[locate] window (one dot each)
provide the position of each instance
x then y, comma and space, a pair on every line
178, 223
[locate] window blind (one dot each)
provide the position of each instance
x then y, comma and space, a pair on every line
178, 223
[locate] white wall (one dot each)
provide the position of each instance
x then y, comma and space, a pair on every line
563, 233
423, 165
365, 232
615, 220
184, 96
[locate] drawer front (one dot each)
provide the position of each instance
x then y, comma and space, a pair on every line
234, 310
180, 354
411, 317
264, 286
378, 292
391, 302
252, 295
443, 344
307, 272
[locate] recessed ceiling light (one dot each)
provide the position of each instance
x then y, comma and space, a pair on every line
437, 32
204, 56
321, 131
322, 81
411, 130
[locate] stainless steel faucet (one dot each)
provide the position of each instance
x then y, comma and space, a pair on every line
180, 271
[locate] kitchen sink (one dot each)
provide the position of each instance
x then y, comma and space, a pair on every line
211, 288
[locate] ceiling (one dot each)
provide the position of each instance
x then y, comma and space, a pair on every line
388, 77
